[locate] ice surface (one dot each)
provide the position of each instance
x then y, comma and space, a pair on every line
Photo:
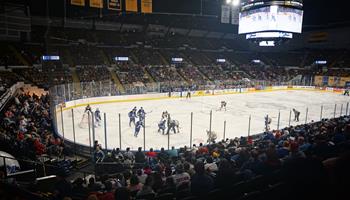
239, 108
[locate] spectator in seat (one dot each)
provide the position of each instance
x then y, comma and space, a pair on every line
272, 161
62, 187
201, 183
151, 153
140, 156
129, 155
169, 186
163, 156
147, 187
135, 184
79, 190
295, 152
141, 176
99, 154
122, 194
210, 166
226, 175
93, 186
284, 150
158, 182
108, 194
303, 145
181, 176
189, 168
202, 149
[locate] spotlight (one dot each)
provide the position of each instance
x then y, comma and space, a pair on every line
235, 2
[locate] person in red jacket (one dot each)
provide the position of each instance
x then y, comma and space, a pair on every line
39, 147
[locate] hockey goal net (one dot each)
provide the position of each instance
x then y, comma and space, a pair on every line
84, 122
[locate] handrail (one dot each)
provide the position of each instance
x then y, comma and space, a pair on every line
9, 93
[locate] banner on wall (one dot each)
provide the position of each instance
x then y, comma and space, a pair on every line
225, 14
235, 15
131, 5
96, 3
77, 2
114, 5
146, 6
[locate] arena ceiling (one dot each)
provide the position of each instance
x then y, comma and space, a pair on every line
316, 12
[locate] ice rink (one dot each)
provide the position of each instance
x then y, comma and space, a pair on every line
239, 108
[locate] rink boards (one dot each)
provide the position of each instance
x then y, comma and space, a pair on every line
158, 96
243, 104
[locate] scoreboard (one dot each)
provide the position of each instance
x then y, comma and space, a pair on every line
268, 16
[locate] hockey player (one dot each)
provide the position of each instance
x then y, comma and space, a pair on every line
268, 121
141, 114
88, 109
132, 116
188, 93
98, 117
165, 115
161, 125
296, 115
85, 119
172, 125
138, 126
223, 105
346, 92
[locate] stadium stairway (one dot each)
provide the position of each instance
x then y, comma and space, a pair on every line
134, 58
205, 77
18, 55
105, 56
76, 80
117, 81
182, 77
148, 75
67, 55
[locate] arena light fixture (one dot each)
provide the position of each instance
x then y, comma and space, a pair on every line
235, 2
220, 60
228, 1
321, 62
267, 43
50, 58
123, 59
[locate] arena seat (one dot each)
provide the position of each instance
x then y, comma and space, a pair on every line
165, 196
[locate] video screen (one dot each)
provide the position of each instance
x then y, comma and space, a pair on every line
271, 18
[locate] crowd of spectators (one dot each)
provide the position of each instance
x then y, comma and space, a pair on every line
49, 75
259, 72
131, 74
296, 162
26, 128
164, 73
339, 72
90, 73
191, 74
215, 72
